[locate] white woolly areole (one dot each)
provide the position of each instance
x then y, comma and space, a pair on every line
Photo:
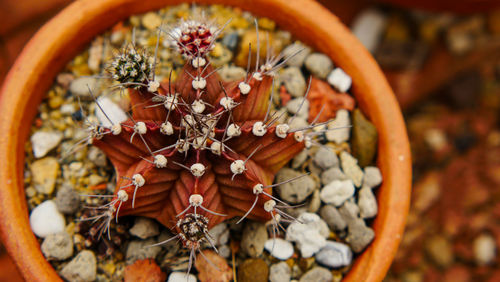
307, 142
196, 200
269, 205
153, 86
299, 136
160, 161
198, 106
122, 195
197, 169
170, 102
199, 143
138, 180
244, 88
188, 121
140, 127
237, 167
259, 129
233, 130
257, 76
282, 130
116, 129
198, 62
227, 103
167, 128
182, 146
258, 188
216, 147
199, 83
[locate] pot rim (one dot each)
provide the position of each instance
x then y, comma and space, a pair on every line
307, 20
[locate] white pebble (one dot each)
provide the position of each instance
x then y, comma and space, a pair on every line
279, 248
309, 232
42, 142
367, 203
340, 80
45, 219
338, 129
351, 168
368, 27
484, 249
181, 277
337, 192
373, 177
334, 254
112, 110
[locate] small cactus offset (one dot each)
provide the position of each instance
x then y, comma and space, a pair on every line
196, 151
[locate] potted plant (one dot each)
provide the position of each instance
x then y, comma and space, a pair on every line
59, 40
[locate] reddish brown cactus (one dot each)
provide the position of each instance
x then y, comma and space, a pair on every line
196, 151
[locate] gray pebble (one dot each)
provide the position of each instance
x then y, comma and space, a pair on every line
333, 218
254, 238
319, 65
351, 168
97, 156
232, 73
79, 86
224, 251
299, 52
280, 272
144, 228
337, 192
359, 235
293, 107
57, 246
298, 123
231, 40
279, 248
325, 158
43, 142
314, 202
81, 268
67, 199
141, 249
317, 274
294, 81
334, 255
338, 129
367, 203
331, 174
220, 234
295, 191
373, 177
299, 159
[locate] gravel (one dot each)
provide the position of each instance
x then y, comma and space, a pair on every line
144, 228
319, 65
337, 192
43, 142
81, 268
279, 248
334, 255
294, 81
254, 238
45, 219
57, 246
280, 272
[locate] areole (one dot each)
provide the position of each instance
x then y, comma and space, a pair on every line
66, 34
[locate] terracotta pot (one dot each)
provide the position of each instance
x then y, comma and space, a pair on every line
65, 35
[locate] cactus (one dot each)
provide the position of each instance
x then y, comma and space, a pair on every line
196, 151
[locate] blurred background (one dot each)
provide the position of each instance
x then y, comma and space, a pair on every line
442, 59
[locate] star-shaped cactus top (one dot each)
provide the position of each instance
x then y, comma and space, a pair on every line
195, 151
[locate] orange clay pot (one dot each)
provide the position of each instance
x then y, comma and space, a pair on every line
71, 30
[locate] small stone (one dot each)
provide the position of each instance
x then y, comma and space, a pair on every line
97, 156
484, 249
64, 79
359, 235
232, 73
43, 142
462, 36
112, 111
224, 251
333, 218
319, 65
351, 168
144, 228
254, 238
294, 105
45, 219
279, 248
220, 234
181, 277
295, 191
297, 123
67, 109
331, 174
95, 54
309, 232
364, 139
253, 270
440, 250
334, 255
299, 52
340, 80
368, 27
325, 158
299, 159
373, 177
44, 172
231, 40
67, 199
280, 272
80, 86
57, 246
317, 274
294, 81
367, 203
337, 192
314, 202
338, 129
82, 268
402, 55
151, 20
141, 249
